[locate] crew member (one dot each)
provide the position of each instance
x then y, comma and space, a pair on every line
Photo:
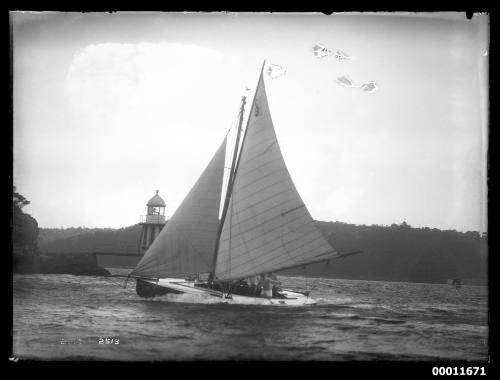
267, 285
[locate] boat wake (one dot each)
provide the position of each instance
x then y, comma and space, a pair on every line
189, 298
330, 301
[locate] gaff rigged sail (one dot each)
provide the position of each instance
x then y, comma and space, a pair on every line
267, 226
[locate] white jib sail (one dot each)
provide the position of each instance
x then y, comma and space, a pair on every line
267, 226
186, 243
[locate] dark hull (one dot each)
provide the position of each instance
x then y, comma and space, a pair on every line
147, 290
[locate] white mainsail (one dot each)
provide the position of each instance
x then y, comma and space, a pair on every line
267, 226
187, 242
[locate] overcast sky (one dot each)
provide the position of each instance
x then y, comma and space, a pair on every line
110, 107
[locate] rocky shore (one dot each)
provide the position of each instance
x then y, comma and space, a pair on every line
26, 255
83, 264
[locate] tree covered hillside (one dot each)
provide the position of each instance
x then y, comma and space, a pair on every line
390, 253
100, 238
402, 253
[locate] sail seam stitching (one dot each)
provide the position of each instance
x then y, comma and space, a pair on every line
274, 250
270, 220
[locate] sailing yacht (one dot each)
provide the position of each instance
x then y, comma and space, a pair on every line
264, 225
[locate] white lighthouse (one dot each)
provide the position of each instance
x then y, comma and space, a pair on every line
153, 222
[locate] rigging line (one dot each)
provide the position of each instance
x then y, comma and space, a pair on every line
322, 257
235, 168
113, 282
230, 183
233, 122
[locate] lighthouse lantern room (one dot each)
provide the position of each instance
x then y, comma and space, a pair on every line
153, 222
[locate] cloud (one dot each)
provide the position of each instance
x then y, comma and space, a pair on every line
127, 78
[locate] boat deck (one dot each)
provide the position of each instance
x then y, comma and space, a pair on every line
243, 290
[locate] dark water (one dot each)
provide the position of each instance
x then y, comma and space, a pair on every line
63, 317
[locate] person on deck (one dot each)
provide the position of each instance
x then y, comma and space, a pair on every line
241, 287
266, 282
254, 282
277, 283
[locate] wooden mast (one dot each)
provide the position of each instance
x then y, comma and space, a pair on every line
229, 186
234, 167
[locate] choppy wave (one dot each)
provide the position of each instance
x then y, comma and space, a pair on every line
352, 320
